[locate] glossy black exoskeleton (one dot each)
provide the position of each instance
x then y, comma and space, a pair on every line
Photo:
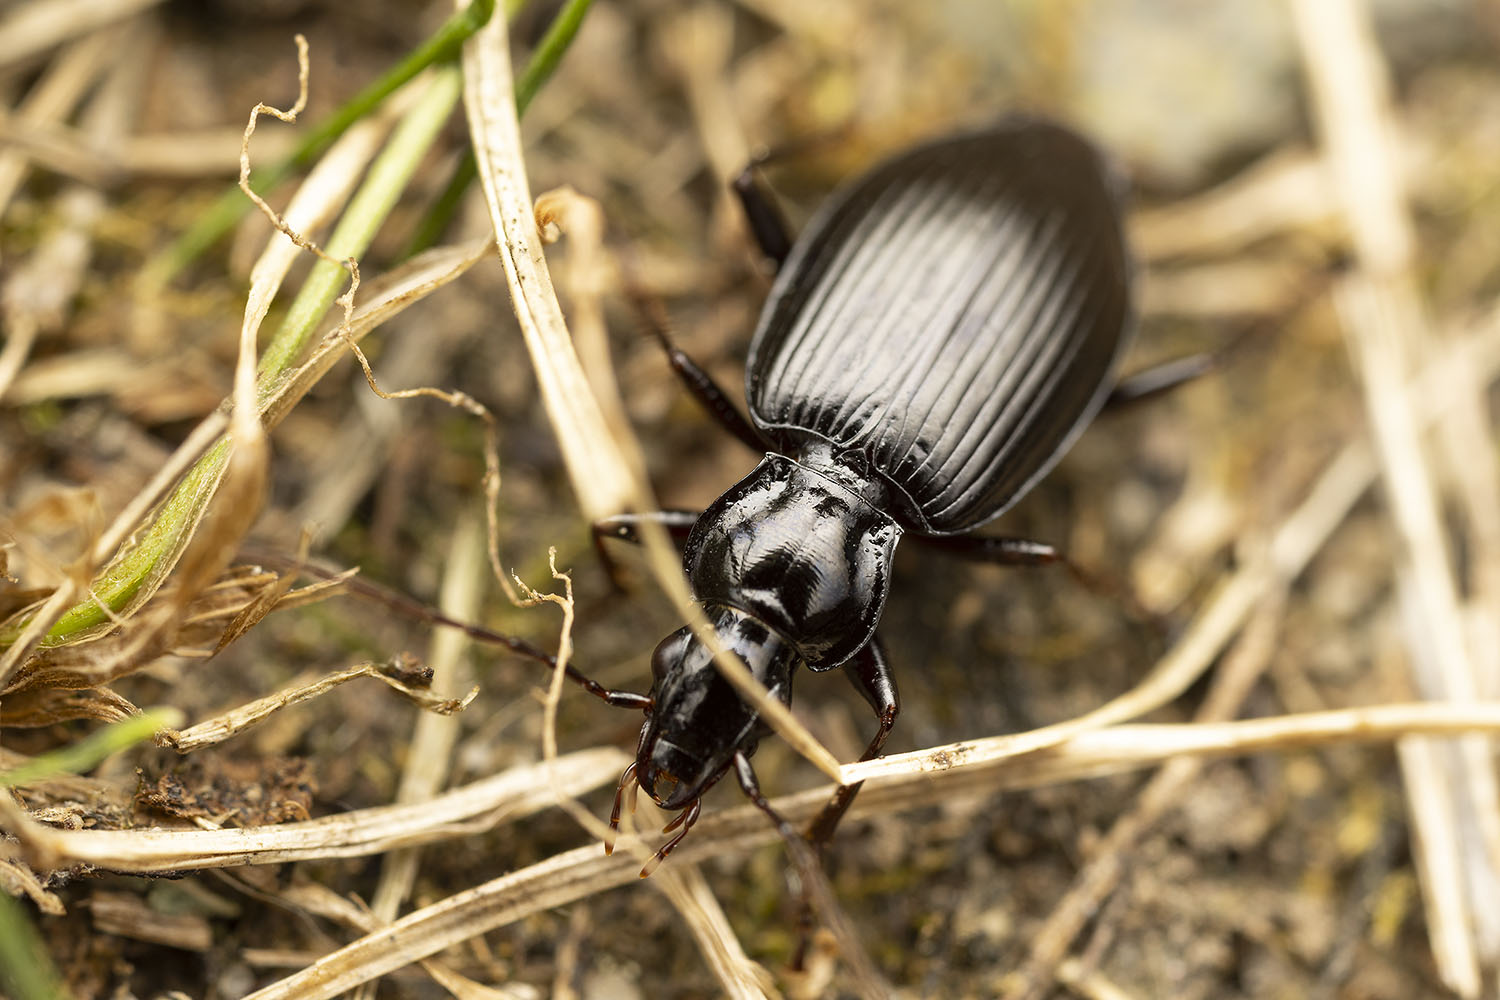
935, 340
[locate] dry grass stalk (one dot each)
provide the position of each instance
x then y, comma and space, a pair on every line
741, 978
559, 880
19, 880
1383, 318
62, 85
604, 465
398, 675
427, 759
128, 915
323, 902
1242, 668
602, 477
1089, 983
32, 29
462, 812
69, 152
36, 297
585, 871
585, 276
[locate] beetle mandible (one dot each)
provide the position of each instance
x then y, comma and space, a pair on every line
935, 340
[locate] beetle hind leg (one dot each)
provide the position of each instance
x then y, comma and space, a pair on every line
1160, 379
762, 214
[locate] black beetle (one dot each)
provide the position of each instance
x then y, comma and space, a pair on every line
935, 340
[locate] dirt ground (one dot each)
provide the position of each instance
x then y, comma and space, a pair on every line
1286, 870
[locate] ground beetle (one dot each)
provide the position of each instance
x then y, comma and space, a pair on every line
935, 340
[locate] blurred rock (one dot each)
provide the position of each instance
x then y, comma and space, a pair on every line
1177, 88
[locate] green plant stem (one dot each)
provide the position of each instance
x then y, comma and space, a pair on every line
84, 755
122, 579
539, 69
388, 177
549, 51
443, 45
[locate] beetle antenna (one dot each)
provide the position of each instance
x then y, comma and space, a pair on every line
409, 607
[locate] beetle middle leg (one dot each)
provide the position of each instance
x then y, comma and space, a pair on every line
1011, 551
624, 527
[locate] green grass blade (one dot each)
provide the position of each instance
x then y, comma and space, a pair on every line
26, 970
84, 755
544, 61
232, 205
388, 178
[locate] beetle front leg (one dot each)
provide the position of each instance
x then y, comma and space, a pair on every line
871, 675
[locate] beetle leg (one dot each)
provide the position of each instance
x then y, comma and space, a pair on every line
764, 218
687, 819
1158, 379
1154, 381
708, 392
627, 778
871, 675
750, 785
1007, 551
678, 525
1002, 551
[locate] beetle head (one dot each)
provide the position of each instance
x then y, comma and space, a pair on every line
698, 721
